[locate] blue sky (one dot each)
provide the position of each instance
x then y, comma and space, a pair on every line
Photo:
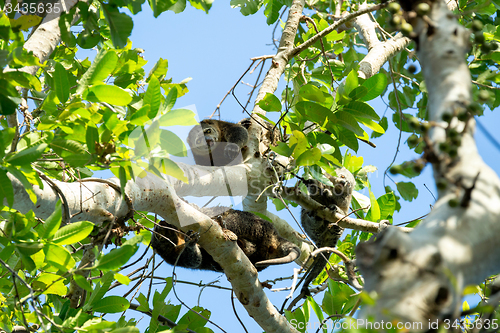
214, 50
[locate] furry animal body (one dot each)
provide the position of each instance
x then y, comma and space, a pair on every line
321, 231
256, 237
217, 142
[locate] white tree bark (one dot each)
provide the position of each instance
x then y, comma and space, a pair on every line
419, 277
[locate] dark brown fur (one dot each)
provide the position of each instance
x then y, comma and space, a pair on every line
321, 231
258, 239
217, 142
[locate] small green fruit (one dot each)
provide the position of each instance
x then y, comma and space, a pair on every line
475, 108
423, 9
412, 69
483, 96
441, 184
493, 46
414, 123
406, 28
463, 116
479, 37
425, 127
485, 48
394, 7
413, 141
444, 147
418, 167
396, 20
456, 141
395, 169
476, 26
453, 202
447, 117
453, 152
452, 133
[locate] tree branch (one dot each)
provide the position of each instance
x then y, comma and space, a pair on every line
420, 276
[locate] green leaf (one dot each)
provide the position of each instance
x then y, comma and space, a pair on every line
126, 329
317, 310
61, 82
247, 7
24, 181
73, 152
351, 82
158, 7
123, 179
375, 85
8, 103
104, 67
171, 168
141, 116
59, 257
272, 11
65, 28
91, 137
6, 189
111, 304
153, 96
125, 280
159, 69
50, 284
106, 93
182, 117
311, 92
396, 118
314, 112
24, 79
382, 123
101, 289
29, 248
372, 125
82, 282
170, 99
26, 156
283, 149
120, 25
270, 103
347, 121
116, 258
309, 157
52, 223
361, 110
358, 93
86, 79
194, 320
407, 190
387, 204
73, 233
347, 137
374, 211
300, 141
172, 143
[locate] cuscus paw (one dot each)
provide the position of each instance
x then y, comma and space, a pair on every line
192, 237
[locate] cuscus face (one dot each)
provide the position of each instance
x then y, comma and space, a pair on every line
203, 138
343, 182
